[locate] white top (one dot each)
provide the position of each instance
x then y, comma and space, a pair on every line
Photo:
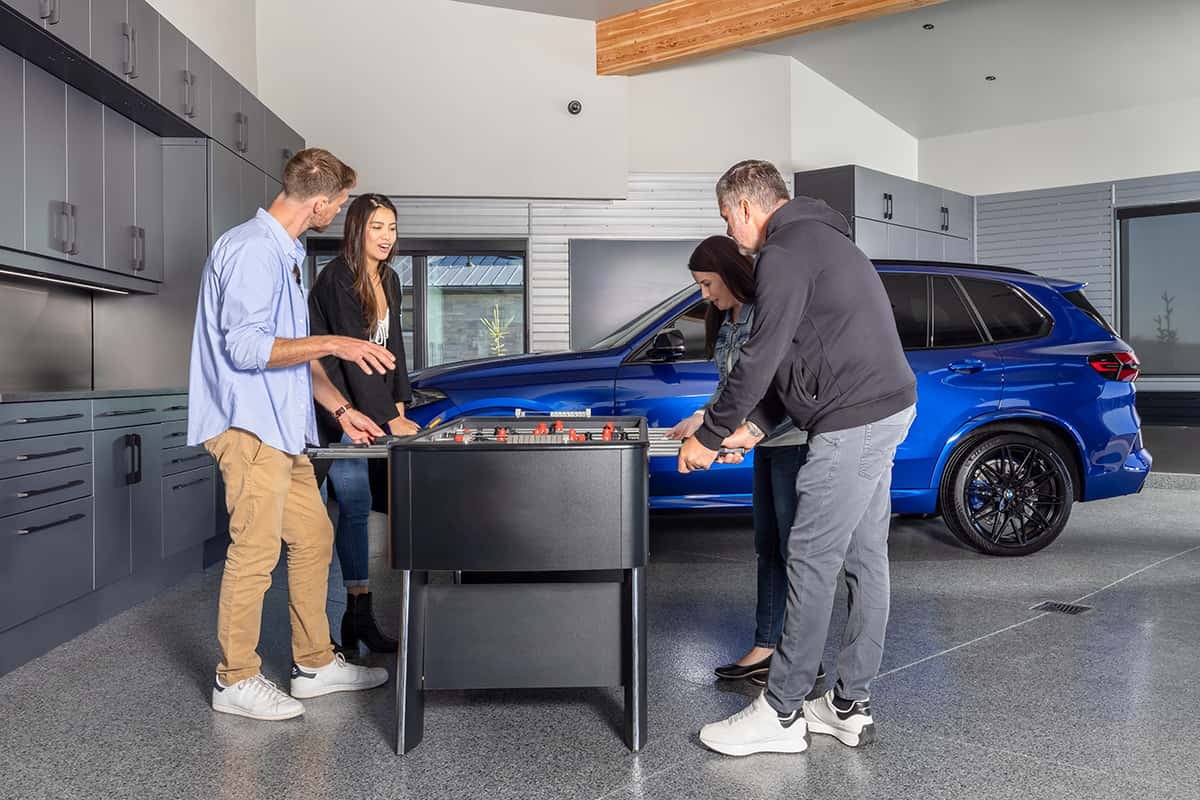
380, 335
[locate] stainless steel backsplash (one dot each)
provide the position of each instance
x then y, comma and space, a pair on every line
45, 337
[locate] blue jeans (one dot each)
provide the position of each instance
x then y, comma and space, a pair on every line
352, 490
775, 470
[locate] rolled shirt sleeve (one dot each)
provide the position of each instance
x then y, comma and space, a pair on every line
249, 292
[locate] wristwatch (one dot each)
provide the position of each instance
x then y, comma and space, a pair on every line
342, 410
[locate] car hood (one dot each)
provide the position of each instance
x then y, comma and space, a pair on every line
506, 368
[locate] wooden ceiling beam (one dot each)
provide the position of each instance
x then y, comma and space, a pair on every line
674, 31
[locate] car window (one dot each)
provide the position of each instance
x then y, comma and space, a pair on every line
953, 325
1080, 301
631, 329
1007, 313
691, 324
910, 305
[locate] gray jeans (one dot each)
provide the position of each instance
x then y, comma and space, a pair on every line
843, 511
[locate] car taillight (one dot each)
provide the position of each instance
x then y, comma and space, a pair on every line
1121, 366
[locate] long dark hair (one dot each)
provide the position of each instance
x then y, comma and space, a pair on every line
720, 254
353, 233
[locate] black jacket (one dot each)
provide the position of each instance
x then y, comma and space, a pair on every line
333, 308
824, 349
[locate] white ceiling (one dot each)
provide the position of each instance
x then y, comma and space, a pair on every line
1051, 59
580, 9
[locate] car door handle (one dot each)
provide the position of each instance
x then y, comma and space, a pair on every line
968, 366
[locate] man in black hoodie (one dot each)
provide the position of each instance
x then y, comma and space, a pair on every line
823, 351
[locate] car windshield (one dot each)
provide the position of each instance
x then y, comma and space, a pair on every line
626, 333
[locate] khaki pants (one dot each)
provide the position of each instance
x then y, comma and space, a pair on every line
272, 497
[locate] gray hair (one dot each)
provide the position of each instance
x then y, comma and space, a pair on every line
757, 181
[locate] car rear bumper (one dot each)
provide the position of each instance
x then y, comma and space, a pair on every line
1129, 479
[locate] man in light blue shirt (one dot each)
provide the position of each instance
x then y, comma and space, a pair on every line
254, 373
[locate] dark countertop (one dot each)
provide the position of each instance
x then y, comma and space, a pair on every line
84, 394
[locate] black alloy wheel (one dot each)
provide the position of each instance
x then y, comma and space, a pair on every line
1008, 494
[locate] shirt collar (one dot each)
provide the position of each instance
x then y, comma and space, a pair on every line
289, 246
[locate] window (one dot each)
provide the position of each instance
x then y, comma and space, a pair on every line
462, 299
1007, 313
953, 325
1160, 286
1080, 301
909, 294
691, 324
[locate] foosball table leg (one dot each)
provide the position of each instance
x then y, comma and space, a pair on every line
635, 685
410, 658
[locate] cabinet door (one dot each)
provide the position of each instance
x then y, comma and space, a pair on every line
68, 21
273, 188
85, 177
46, 224
114, 471
143, 22
148, 212
121, 246
929, 208
277, 143
871, 237
145, 501
884, 197
930, 246
902, 242
226, 109
201, 68
12, 151
253, 187
174, 90
224, 191
255, 131
960, 214
112, 40
959, 250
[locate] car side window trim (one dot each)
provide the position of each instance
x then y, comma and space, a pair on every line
1021, 293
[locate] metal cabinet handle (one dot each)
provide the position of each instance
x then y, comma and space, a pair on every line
887, 205
243, 132
34, 420
133, 70
43, 9
189, 94
48, 525
127, 61
133, 260
35, 492
185, 459
52, 454
141, 259
54, 17
125, 412
73, 246
175, 435
64, 215
175, 408
133, 442
946, 211
179, 486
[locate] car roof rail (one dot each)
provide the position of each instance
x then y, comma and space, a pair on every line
908, 262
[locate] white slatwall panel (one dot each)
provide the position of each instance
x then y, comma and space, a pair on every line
1060, 233
1183, 188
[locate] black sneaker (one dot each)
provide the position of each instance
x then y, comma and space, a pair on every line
735, 671
760, 679
848, 721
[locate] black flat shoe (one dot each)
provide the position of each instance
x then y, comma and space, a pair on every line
735, 671
760, 679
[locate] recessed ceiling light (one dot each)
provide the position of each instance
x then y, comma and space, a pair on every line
989, 77
928, 26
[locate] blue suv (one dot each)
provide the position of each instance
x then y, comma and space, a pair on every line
1025, 400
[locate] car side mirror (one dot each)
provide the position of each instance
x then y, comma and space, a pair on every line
668, 345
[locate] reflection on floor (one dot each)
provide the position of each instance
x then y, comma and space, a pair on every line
979, 696
1175, 448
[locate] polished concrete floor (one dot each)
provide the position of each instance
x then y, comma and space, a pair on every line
979, 696
1175, 448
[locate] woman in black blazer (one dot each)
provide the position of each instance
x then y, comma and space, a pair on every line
359, 295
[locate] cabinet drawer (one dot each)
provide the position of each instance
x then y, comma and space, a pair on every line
189, 509
174, 406
182, 459
174, 434
27, 456
28, 492
23, 420
45, 560
122, 412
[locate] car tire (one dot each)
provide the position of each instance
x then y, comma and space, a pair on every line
1007, 494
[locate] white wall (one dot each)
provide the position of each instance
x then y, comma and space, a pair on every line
830, 127
707, 115
1131, 143
438, 98
225, 29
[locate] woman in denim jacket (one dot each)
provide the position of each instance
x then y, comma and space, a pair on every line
726, 280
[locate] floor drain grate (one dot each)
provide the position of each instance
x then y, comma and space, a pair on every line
1061, 608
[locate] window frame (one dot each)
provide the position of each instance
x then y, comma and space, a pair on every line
1021, 293
638, 356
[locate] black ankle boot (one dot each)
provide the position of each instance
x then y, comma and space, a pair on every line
358, 625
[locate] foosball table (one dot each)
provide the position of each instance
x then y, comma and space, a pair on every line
534, 531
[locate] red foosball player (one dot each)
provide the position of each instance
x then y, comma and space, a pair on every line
606, 432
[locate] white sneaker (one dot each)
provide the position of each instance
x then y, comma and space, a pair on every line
336, 676
757, 728
852, 727
256, 698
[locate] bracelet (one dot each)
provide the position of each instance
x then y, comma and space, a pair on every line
344, 408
